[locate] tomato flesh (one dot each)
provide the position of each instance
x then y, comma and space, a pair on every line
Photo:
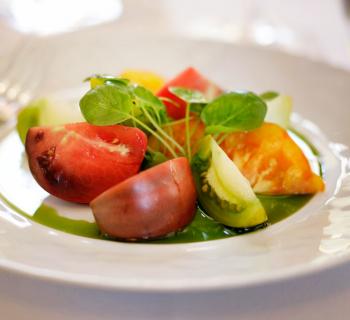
77, 162
191, 79
152, 204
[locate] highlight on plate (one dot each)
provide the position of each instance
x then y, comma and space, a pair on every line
170, 161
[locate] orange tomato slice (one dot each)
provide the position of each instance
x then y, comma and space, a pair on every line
272, 162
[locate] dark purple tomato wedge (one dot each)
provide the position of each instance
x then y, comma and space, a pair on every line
151, 204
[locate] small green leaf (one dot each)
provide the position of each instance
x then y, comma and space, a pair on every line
117, 81
188, 95
269, 95
146, 99
234, 112
101, 79
98, 76
107, 78
106, 105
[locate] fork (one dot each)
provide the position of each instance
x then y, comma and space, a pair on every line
20, 77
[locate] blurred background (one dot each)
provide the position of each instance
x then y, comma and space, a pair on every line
316, 28
35, 34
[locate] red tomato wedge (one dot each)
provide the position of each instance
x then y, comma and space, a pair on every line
191, 79
152, 204
77, 162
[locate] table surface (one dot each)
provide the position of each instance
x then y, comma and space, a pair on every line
319, 296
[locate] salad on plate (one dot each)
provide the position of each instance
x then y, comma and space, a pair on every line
169, 161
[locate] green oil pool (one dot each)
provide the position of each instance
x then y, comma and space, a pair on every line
202, 227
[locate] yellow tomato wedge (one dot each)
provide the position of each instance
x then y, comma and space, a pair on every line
272, 161
147, 79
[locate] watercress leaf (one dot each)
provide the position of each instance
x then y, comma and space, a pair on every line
145, 98
107, 77
100, 79
234, 111
98, 76
188, 95
169, 100
106, 105
117, 81
269, 95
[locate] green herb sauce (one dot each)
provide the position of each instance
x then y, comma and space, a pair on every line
202, 227
49, 217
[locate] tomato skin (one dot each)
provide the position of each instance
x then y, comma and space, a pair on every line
152, 204
191, 79
77, 162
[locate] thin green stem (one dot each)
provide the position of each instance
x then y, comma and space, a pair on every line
173, 123
150, 149
171, 133
195, 127
170, 100
133, 115
222, 138
188, 136
157, 136
160, 130
216, 136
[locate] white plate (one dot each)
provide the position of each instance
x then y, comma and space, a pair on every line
316, 237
